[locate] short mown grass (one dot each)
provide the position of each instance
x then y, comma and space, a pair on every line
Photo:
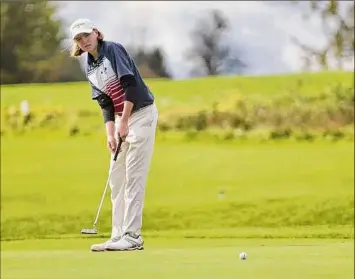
177, 258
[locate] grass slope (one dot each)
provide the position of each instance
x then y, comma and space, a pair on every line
51, 183
265, 185
177, 96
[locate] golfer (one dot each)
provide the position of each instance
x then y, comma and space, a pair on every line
129, 112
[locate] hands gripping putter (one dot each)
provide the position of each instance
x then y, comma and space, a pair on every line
94, 230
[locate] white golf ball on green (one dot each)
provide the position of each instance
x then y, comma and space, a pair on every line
243, 256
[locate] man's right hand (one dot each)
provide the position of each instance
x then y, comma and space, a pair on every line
111, 143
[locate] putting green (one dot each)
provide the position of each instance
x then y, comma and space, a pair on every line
180, 258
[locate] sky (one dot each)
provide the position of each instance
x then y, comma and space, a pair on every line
262, 31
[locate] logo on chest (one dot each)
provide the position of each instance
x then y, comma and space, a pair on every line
101, 73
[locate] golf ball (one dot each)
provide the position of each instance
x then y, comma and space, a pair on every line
243, 256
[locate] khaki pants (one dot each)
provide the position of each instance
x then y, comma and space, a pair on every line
129, 174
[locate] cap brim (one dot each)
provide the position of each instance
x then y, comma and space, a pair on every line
81, 30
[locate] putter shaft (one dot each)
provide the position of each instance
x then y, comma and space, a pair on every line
108, 181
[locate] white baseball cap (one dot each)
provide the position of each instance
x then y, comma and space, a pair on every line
81, 25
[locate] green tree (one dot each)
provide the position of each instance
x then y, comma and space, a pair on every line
338, 26
31, 43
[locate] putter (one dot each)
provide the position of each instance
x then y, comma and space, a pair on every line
94, 230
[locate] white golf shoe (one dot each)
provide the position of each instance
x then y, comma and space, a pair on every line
101, 247
128, 242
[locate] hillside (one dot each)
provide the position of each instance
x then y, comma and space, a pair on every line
179, 95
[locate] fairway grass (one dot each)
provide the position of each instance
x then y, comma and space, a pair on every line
180, 259
270, 185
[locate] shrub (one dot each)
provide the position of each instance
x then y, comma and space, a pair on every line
283, 116
163, 126
74, 130
333, 107
280, 133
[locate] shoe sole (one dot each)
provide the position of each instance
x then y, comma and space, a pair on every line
128, 249
98, 251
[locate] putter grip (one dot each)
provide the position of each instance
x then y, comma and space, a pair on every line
118, 148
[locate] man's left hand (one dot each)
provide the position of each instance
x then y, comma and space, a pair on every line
123, 130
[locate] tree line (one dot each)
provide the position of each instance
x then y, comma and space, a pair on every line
32, 45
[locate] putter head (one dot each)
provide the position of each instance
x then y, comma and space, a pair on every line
89, 231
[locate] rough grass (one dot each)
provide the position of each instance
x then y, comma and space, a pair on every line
303, 107
179, 96
53, 186
176, 258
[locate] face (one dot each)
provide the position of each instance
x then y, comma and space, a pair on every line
87, 41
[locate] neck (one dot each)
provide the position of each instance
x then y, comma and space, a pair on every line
94, 53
